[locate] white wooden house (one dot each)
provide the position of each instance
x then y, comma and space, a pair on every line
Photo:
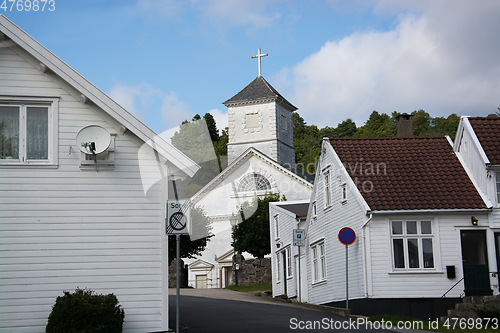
63, 223
284, 217
477, 143
412, 206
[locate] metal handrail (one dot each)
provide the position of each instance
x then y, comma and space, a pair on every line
444, 295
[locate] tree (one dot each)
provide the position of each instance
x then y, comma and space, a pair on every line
375, 127
192, 248
212, 127
421, 123
252, 234
346, 129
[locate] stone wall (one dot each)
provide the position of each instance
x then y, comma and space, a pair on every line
253, 271
172, 274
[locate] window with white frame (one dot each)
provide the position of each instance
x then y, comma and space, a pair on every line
314, 210
276, 226
498, 188
278, 265
412, 245
27, 131
288, 262
318, 262
343, 192
327, 194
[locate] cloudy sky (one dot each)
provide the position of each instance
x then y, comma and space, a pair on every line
165, 61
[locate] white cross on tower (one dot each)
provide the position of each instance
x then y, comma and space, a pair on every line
258, 56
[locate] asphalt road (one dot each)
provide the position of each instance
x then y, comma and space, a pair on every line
208, 314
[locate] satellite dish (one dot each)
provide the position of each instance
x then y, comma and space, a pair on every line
93, 140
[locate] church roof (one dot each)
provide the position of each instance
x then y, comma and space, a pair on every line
259, 89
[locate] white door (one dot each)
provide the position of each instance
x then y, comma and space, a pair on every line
201, 282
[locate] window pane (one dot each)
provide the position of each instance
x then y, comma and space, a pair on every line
498, 187
426, 227
323, 268
322, 250
9, 132
413, 253
411, 227
37, 133
427, 253
399, 259
397, 228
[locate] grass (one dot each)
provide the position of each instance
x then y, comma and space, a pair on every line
254, 287
431, 326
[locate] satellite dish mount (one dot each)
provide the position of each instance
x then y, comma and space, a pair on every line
93, 140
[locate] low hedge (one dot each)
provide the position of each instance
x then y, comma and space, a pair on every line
85, 312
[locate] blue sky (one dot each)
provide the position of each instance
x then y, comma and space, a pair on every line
165, 61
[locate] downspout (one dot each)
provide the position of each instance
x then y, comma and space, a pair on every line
365, 234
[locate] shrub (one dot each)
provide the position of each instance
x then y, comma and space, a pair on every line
85, 312
487, 312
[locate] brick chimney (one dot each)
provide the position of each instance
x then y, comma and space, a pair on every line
405, 125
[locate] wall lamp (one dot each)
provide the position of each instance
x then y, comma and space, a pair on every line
474, 221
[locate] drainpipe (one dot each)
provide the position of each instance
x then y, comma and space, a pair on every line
367, 255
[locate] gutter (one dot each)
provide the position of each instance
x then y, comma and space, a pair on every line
420, 211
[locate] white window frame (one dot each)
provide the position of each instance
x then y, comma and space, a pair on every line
289, 272
278, 266
276, 227
419, 236
498, 187
327, 190
314, 212
343, 192
52, 103
318, 261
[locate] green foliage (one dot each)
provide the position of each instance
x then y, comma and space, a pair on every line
488, 312
85, 312
252, 234
252, 287
192, 248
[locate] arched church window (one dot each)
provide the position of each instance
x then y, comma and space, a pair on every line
254, 182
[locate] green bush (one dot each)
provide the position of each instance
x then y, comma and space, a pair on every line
487, 312
85, 312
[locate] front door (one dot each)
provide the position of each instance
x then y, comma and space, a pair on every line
201, 282
475, 263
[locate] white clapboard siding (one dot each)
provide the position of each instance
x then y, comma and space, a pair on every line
326, 226
63, 228
447, 252
286, 224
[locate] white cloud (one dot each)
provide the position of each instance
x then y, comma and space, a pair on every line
146, 102
443, 57
174, 111
241, 12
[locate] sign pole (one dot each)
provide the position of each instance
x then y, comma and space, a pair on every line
177, 282
177, 273
300, 300
346, 277
347, 236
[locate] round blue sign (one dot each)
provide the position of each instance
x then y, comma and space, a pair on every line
347, 236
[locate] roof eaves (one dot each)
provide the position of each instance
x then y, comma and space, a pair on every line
77, 81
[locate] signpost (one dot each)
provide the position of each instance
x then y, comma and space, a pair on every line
178, 222
347, 236
299, 239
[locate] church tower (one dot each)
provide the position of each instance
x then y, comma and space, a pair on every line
260, 117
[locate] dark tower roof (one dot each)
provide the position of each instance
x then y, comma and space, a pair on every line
259, 89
